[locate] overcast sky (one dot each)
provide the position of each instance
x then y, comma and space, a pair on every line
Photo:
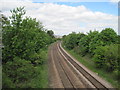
64, 17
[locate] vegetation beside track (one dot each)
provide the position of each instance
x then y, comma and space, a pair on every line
99, 51
24, 53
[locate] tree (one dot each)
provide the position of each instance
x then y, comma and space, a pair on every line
70, 41
24, 40
118, 39
107, 57
50, 33
108, 36
84, 45
11, 30
23, 37
79, 37
105, 37
64, 36
95, 42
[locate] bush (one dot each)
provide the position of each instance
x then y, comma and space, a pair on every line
19, 71
108, 36
105, 37
7, 82
71, 40
95, 42
99, 57
107, 57
85, 41
84, 45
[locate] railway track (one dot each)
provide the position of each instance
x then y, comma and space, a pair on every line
71, 74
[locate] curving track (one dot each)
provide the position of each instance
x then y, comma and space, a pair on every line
66, 72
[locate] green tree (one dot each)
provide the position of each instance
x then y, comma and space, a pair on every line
95, 42
24, 40
79, 37
11, 29
84, 45
50, 33
105, 37
71, 40
107, 57
108, 36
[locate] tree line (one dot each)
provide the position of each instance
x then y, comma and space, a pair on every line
25, 43
103, 48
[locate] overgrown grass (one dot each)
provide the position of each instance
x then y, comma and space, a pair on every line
41, 81
0, 76
87, 61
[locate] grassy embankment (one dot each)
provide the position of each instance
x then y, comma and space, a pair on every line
0, 76
87, 61
41, 81
0, 68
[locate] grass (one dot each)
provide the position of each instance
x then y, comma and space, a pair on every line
0, 76
44, 78
41, 81
87, 61
0, 68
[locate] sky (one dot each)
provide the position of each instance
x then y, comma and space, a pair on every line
64, 17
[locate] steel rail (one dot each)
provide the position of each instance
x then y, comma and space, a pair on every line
87, 75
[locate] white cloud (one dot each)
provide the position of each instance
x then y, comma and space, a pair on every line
114, 1
63, 19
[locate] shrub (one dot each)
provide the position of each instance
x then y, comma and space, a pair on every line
19, 70
108, 36
84, 45
107, 57
7, 82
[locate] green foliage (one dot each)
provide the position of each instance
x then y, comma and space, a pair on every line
25, 43
84, 45
108, 36
111, 77
99, 56
7, 82
19, 70
72, 40
92, 34
79, 37
105, 37
50, 33
118, 39
95, 42
101, 46
107, 57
